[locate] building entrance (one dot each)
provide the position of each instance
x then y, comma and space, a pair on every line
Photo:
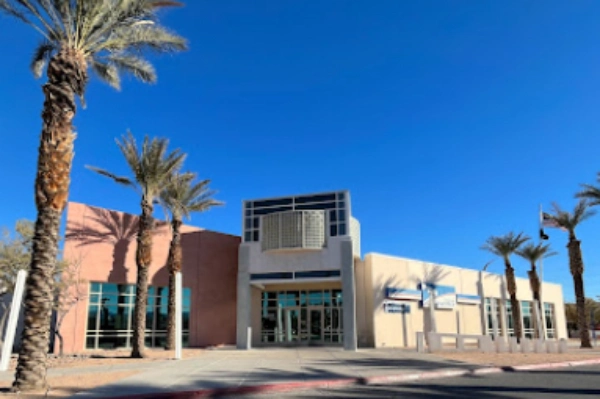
302, 317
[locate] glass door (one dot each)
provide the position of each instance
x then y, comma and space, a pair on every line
315, 324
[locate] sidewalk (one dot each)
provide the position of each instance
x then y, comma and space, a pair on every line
226, 369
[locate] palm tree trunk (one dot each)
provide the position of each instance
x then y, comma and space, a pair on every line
174, 265
66, 78
534, 283
143, 259
511, 286
576, 265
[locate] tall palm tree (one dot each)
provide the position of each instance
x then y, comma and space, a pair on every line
568, 221
108, 36
504, 247
534, 253
152, 167
181, 197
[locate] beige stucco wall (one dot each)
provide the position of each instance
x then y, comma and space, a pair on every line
376, 272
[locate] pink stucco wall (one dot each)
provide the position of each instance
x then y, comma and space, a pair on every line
103, 242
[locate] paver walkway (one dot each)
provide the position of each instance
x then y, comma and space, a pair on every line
232, 368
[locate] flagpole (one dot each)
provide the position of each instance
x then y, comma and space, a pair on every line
541, 308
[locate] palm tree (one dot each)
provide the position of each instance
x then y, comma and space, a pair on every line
568, 221
504, 247
107, 36
152, 167
534, 253
181, 197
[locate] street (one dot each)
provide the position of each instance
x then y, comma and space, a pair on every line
576, 383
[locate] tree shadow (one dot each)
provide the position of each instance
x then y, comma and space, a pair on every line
106, 227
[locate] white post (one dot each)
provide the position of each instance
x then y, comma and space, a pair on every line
178, 318
543, 334
13, 318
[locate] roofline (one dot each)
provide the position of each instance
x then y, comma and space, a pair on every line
295, 195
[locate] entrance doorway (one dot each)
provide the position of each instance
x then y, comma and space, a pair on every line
302, 317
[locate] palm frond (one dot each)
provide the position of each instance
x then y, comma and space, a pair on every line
568, 221
40, 58
135, 65
109, 34
107, 72
534, 252
183, 197
119, 179
506, 245
591, 193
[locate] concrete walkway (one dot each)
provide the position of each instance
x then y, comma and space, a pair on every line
220, 369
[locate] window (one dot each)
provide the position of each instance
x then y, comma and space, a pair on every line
110, 314
489, 316
509, 319
527, 314
549, 318
335, 203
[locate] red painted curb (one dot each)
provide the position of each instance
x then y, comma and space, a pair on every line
380, 380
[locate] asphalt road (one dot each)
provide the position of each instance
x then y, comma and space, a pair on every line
566, 383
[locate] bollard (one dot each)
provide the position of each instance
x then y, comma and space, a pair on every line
551, 346
435, 342
563, 346
460, 344
501, 345
513, 346
420, 342
539, 346
526, 345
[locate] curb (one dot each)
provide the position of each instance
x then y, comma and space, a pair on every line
341, 382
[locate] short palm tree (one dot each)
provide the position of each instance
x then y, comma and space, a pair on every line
533, 253
152, 167
568, 221
181, 197
108, 36
504, 247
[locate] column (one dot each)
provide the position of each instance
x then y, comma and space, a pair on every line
482, 307
503, 314
349, 296
244, 300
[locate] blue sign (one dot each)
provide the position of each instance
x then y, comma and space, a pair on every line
391, 307
402, 293
468, 299
445, 297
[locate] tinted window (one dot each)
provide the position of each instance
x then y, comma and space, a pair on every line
273, 202
315, 198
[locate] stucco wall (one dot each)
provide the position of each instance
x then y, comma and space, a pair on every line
399, 330
103, 243
295, 260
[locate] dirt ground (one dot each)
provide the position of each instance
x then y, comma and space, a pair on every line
62, 387
517, 359
66, 386
102, 358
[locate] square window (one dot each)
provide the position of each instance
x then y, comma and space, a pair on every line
248, 212
332, 216
340, 196
248, 224
333, 230
95, 287
342, 215
248, 236
255, 235
342, 229
255, 222
90, 343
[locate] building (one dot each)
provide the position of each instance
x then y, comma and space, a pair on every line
296, 277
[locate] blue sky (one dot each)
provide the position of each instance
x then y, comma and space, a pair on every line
448, 121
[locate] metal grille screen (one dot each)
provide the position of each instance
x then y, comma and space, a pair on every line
293, 229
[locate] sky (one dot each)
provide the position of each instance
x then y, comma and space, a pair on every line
448, 121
